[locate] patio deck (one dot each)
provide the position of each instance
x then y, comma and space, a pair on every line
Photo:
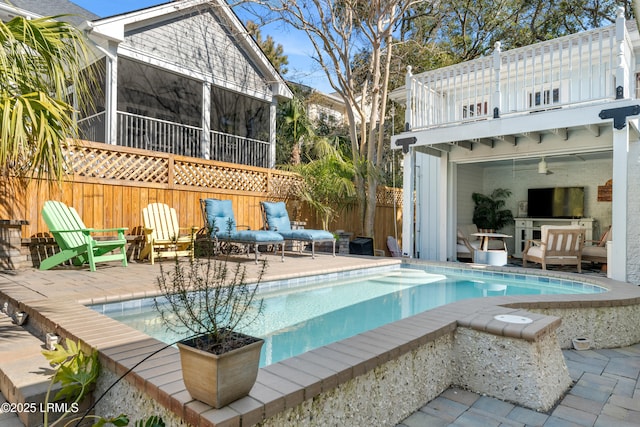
57, 296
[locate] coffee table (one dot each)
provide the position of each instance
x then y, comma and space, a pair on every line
484, 255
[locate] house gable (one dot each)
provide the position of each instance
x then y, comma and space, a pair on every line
200, 41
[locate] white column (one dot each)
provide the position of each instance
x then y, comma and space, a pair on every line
272, 132
622, 73
205, 139
443, 206
111, 95
497, 96
617, 265
408, 164
407, 114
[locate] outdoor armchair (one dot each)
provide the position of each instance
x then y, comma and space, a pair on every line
560, 245
76, 240
163, 235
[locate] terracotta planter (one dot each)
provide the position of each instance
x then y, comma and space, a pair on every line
219, 379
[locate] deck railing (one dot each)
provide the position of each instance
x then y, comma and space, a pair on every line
574, 69
146, 133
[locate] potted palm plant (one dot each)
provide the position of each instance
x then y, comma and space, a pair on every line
489, 213
210, 302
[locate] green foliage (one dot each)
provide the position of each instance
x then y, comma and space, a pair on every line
153, 421
273, 51
39, 60
328, 181
75, 371
489, 212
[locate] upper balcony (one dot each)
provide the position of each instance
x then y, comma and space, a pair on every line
573, 70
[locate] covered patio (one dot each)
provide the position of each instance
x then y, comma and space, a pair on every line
558, 113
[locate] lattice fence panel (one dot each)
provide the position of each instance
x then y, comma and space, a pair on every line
387, 196
284, 186
106, 164
219, 176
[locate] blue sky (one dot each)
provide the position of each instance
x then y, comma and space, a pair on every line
301, 67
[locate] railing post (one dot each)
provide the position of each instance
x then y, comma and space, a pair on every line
622, 90
408, 111
497, 96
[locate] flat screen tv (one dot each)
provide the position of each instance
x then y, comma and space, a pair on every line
556, 202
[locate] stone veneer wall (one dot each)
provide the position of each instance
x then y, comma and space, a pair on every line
532, 374
605, 327
124, 398
382, 396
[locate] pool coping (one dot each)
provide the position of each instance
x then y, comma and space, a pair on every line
288, 383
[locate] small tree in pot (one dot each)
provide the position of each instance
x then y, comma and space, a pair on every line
211, 302
489, 212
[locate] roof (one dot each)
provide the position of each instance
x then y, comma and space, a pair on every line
114, 27
77, 14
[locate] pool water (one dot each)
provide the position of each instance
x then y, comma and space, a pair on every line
302, 318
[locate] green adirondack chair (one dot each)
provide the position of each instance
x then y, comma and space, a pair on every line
75, 240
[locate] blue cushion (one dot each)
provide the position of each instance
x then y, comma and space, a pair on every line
252, 236
277, 216
307, 235
220, 216
223, 225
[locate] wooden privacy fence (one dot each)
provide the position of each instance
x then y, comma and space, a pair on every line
110, 185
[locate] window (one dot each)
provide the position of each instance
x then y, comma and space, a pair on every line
479, 109
545, 97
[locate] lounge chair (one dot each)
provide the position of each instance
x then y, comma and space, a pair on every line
75, 239
560, 245
277, 219
163, 237
221, 223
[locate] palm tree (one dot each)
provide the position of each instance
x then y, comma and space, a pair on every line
328, 181
41, 60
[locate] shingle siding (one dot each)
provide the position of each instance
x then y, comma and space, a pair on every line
199, 42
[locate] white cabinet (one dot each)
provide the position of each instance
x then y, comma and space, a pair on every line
529, 228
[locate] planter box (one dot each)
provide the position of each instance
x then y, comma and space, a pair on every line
219, 379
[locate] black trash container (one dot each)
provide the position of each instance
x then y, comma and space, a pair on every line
361, 246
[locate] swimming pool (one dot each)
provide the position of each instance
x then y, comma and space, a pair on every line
307, 313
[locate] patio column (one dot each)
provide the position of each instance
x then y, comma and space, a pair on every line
273, 109
111, 95
205, 138
617, 265
408, 217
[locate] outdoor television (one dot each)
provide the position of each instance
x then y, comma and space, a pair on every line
556, 202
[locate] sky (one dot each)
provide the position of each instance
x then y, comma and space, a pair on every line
302, 68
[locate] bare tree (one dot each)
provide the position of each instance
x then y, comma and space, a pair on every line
337, 30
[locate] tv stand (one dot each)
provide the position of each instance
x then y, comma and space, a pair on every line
529, 228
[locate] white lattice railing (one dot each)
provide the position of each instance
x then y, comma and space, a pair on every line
575, 69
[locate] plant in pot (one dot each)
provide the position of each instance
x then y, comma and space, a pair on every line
489, 213
210, 301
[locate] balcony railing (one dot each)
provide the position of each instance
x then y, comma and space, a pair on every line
574, 69
147, 133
